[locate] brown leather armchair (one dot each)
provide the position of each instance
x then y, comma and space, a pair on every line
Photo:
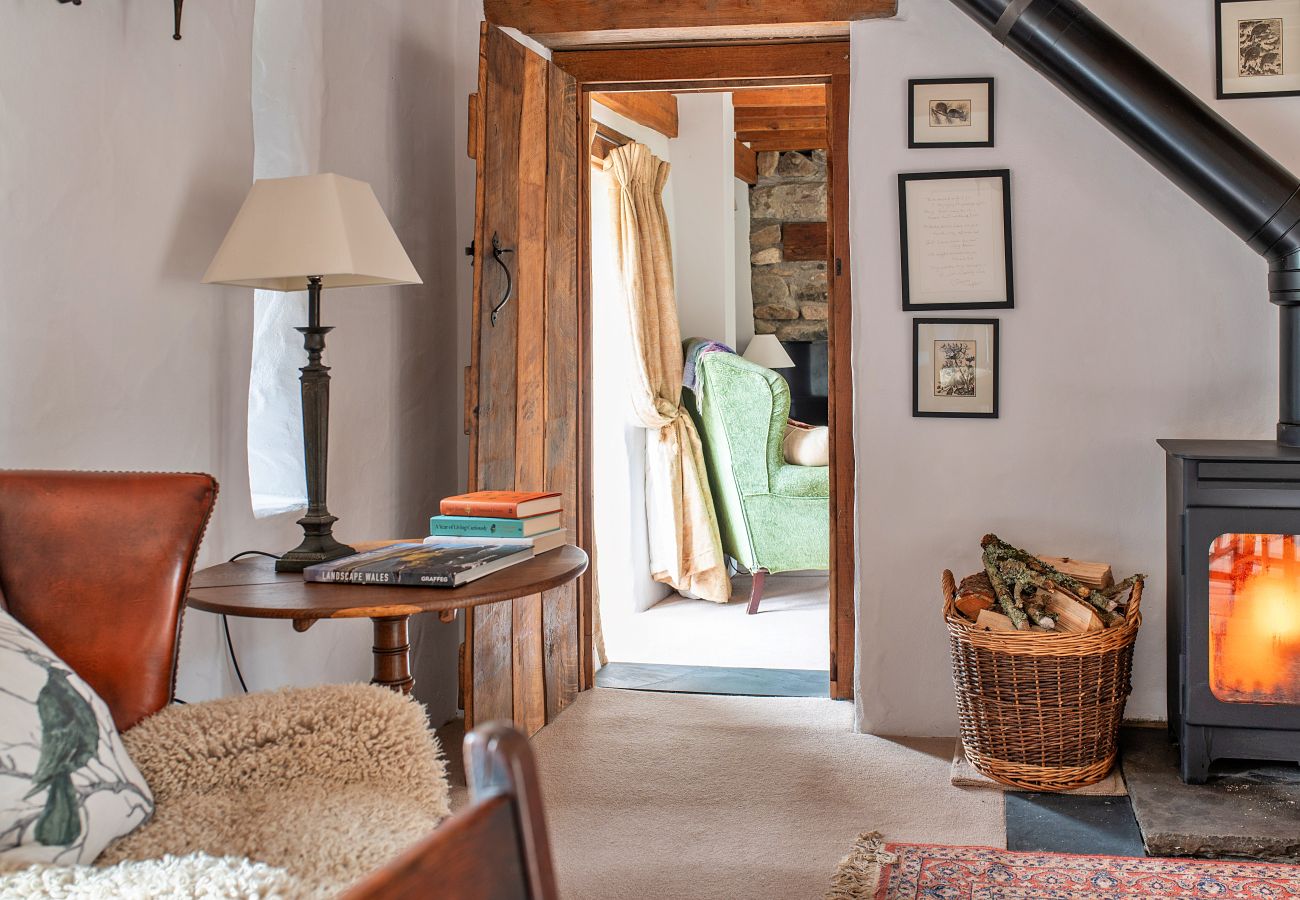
98, 564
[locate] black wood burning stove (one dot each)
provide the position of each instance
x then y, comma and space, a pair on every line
1233, 614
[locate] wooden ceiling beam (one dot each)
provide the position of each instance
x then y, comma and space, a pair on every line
746, 164
586, 23
786, 140
778, 112
805, 95
749, 125
691, 65
702, 85
656, 110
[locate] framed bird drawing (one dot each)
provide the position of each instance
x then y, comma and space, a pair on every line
950, 112
1257, 45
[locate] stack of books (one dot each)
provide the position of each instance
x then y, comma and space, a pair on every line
514, 518
476, 534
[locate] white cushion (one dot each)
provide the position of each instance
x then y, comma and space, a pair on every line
806, 445
67, 786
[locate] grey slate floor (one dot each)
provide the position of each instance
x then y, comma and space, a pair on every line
714, 680
1062, 823
1245, 812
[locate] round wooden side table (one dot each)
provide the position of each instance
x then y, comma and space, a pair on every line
251, 587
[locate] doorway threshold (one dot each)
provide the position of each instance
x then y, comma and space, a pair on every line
732, 681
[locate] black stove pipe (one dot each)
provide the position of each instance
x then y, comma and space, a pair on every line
1219, 167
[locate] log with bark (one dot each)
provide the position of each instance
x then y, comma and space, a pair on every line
975, 594
1020, 591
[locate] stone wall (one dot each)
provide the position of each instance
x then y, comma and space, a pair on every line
788, 272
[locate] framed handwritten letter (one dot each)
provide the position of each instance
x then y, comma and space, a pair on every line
956, 240
955, 368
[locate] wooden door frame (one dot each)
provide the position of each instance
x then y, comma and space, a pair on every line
721, 67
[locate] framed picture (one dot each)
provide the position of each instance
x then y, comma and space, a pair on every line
949, 112
1257, 44
955, 371
955, 232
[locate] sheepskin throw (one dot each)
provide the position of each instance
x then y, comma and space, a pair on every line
324, 784
69, 786
194, 877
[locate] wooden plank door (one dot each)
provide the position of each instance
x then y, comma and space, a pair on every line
521, 659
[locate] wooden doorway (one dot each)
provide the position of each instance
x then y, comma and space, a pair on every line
533, 659
716, 68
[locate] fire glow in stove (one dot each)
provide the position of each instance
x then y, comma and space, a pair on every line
1234, 601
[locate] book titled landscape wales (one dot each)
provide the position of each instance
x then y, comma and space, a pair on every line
420, 565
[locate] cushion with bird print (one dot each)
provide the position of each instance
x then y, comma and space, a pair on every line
67, 786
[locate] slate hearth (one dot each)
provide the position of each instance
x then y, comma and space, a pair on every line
1244, 811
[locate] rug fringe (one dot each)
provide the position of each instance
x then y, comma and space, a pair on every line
858, 877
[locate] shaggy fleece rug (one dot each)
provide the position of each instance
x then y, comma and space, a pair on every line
194, 877
318, 785
875, 870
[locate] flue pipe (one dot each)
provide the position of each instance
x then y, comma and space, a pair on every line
1214, 163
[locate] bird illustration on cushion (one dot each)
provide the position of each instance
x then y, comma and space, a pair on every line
69, 737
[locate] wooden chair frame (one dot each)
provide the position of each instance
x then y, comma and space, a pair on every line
495, 849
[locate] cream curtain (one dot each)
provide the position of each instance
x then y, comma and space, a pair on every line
685, 550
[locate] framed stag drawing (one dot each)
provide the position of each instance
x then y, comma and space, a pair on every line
955, 368
1257, 43
949, 112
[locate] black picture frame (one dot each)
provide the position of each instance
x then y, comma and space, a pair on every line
1219, 8
903, 180
917, 412
914, 144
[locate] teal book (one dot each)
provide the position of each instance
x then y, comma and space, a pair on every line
482, 526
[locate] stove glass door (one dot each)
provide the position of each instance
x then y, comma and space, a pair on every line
1254, 621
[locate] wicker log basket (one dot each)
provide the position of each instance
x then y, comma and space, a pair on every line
1038, 711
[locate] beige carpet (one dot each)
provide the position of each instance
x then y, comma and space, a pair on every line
686, 796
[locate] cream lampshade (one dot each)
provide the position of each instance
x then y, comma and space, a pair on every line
765, 350
290, 229
307, 233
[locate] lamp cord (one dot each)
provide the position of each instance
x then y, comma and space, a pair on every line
225, 622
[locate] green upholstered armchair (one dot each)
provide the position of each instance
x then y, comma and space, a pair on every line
774, 517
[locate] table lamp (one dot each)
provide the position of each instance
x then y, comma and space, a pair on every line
765, 350
308, 233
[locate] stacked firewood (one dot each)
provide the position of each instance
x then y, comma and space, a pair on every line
1018, 591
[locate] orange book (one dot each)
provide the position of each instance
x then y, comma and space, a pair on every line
501, 504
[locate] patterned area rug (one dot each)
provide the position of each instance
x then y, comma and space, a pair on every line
875, 870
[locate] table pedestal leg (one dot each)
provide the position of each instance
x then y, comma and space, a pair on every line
392, 654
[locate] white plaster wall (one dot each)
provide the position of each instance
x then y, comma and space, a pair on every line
1138, 317
703, 187
124, 156
742, 268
